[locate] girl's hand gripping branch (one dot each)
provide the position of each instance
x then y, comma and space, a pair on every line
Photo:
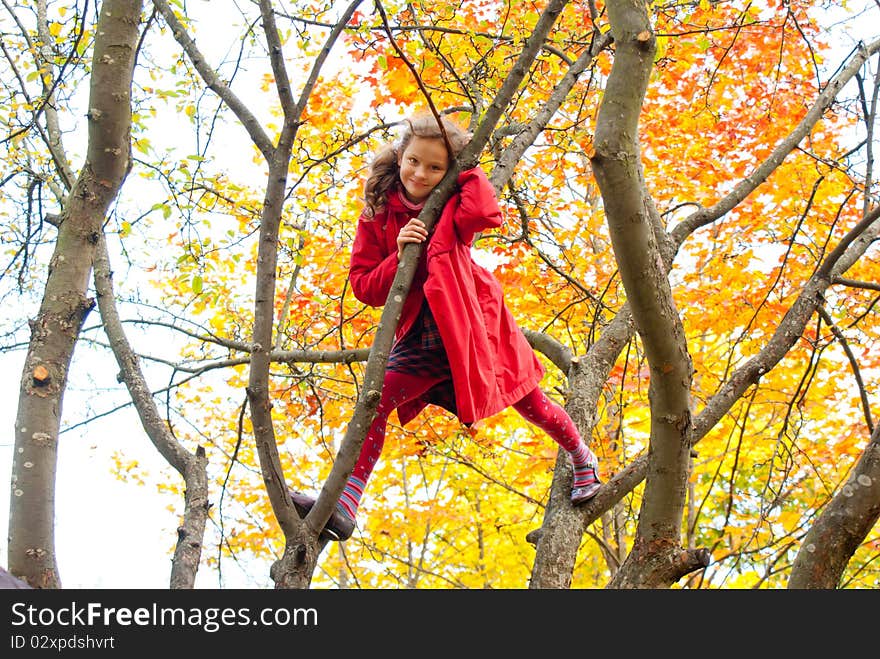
413, 231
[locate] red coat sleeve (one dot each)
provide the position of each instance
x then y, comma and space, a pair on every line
478, 206
373, 267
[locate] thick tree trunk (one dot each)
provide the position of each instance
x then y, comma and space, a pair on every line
65, 306
656, 559
559, 538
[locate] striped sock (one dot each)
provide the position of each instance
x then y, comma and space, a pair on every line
584, 465
351, 497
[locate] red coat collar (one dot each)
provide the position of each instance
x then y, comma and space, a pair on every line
397, 203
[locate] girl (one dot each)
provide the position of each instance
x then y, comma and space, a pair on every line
457, 345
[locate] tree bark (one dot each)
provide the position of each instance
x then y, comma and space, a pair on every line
843, 525
655, 559
193, 467
55, 330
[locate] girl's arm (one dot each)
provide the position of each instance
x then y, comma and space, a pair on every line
372, 268
478, 206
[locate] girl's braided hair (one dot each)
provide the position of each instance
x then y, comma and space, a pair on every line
384, 170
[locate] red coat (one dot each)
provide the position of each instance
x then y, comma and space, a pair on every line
492, 363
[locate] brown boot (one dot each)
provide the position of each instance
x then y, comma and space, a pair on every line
339, 527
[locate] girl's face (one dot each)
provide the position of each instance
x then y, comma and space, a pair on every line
423, 163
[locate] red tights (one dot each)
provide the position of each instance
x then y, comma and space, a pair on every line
399, 388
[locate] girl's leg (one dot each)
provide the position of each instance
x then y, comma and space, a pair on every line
540, 410
397, 389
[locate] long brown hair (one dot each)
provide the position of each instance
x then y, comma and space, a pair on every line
384, 170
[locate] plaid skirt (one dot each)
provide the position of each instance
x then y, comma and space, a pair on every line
420, 351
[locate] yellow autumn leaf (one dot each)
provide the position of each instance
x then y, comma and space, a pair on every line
789, 520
